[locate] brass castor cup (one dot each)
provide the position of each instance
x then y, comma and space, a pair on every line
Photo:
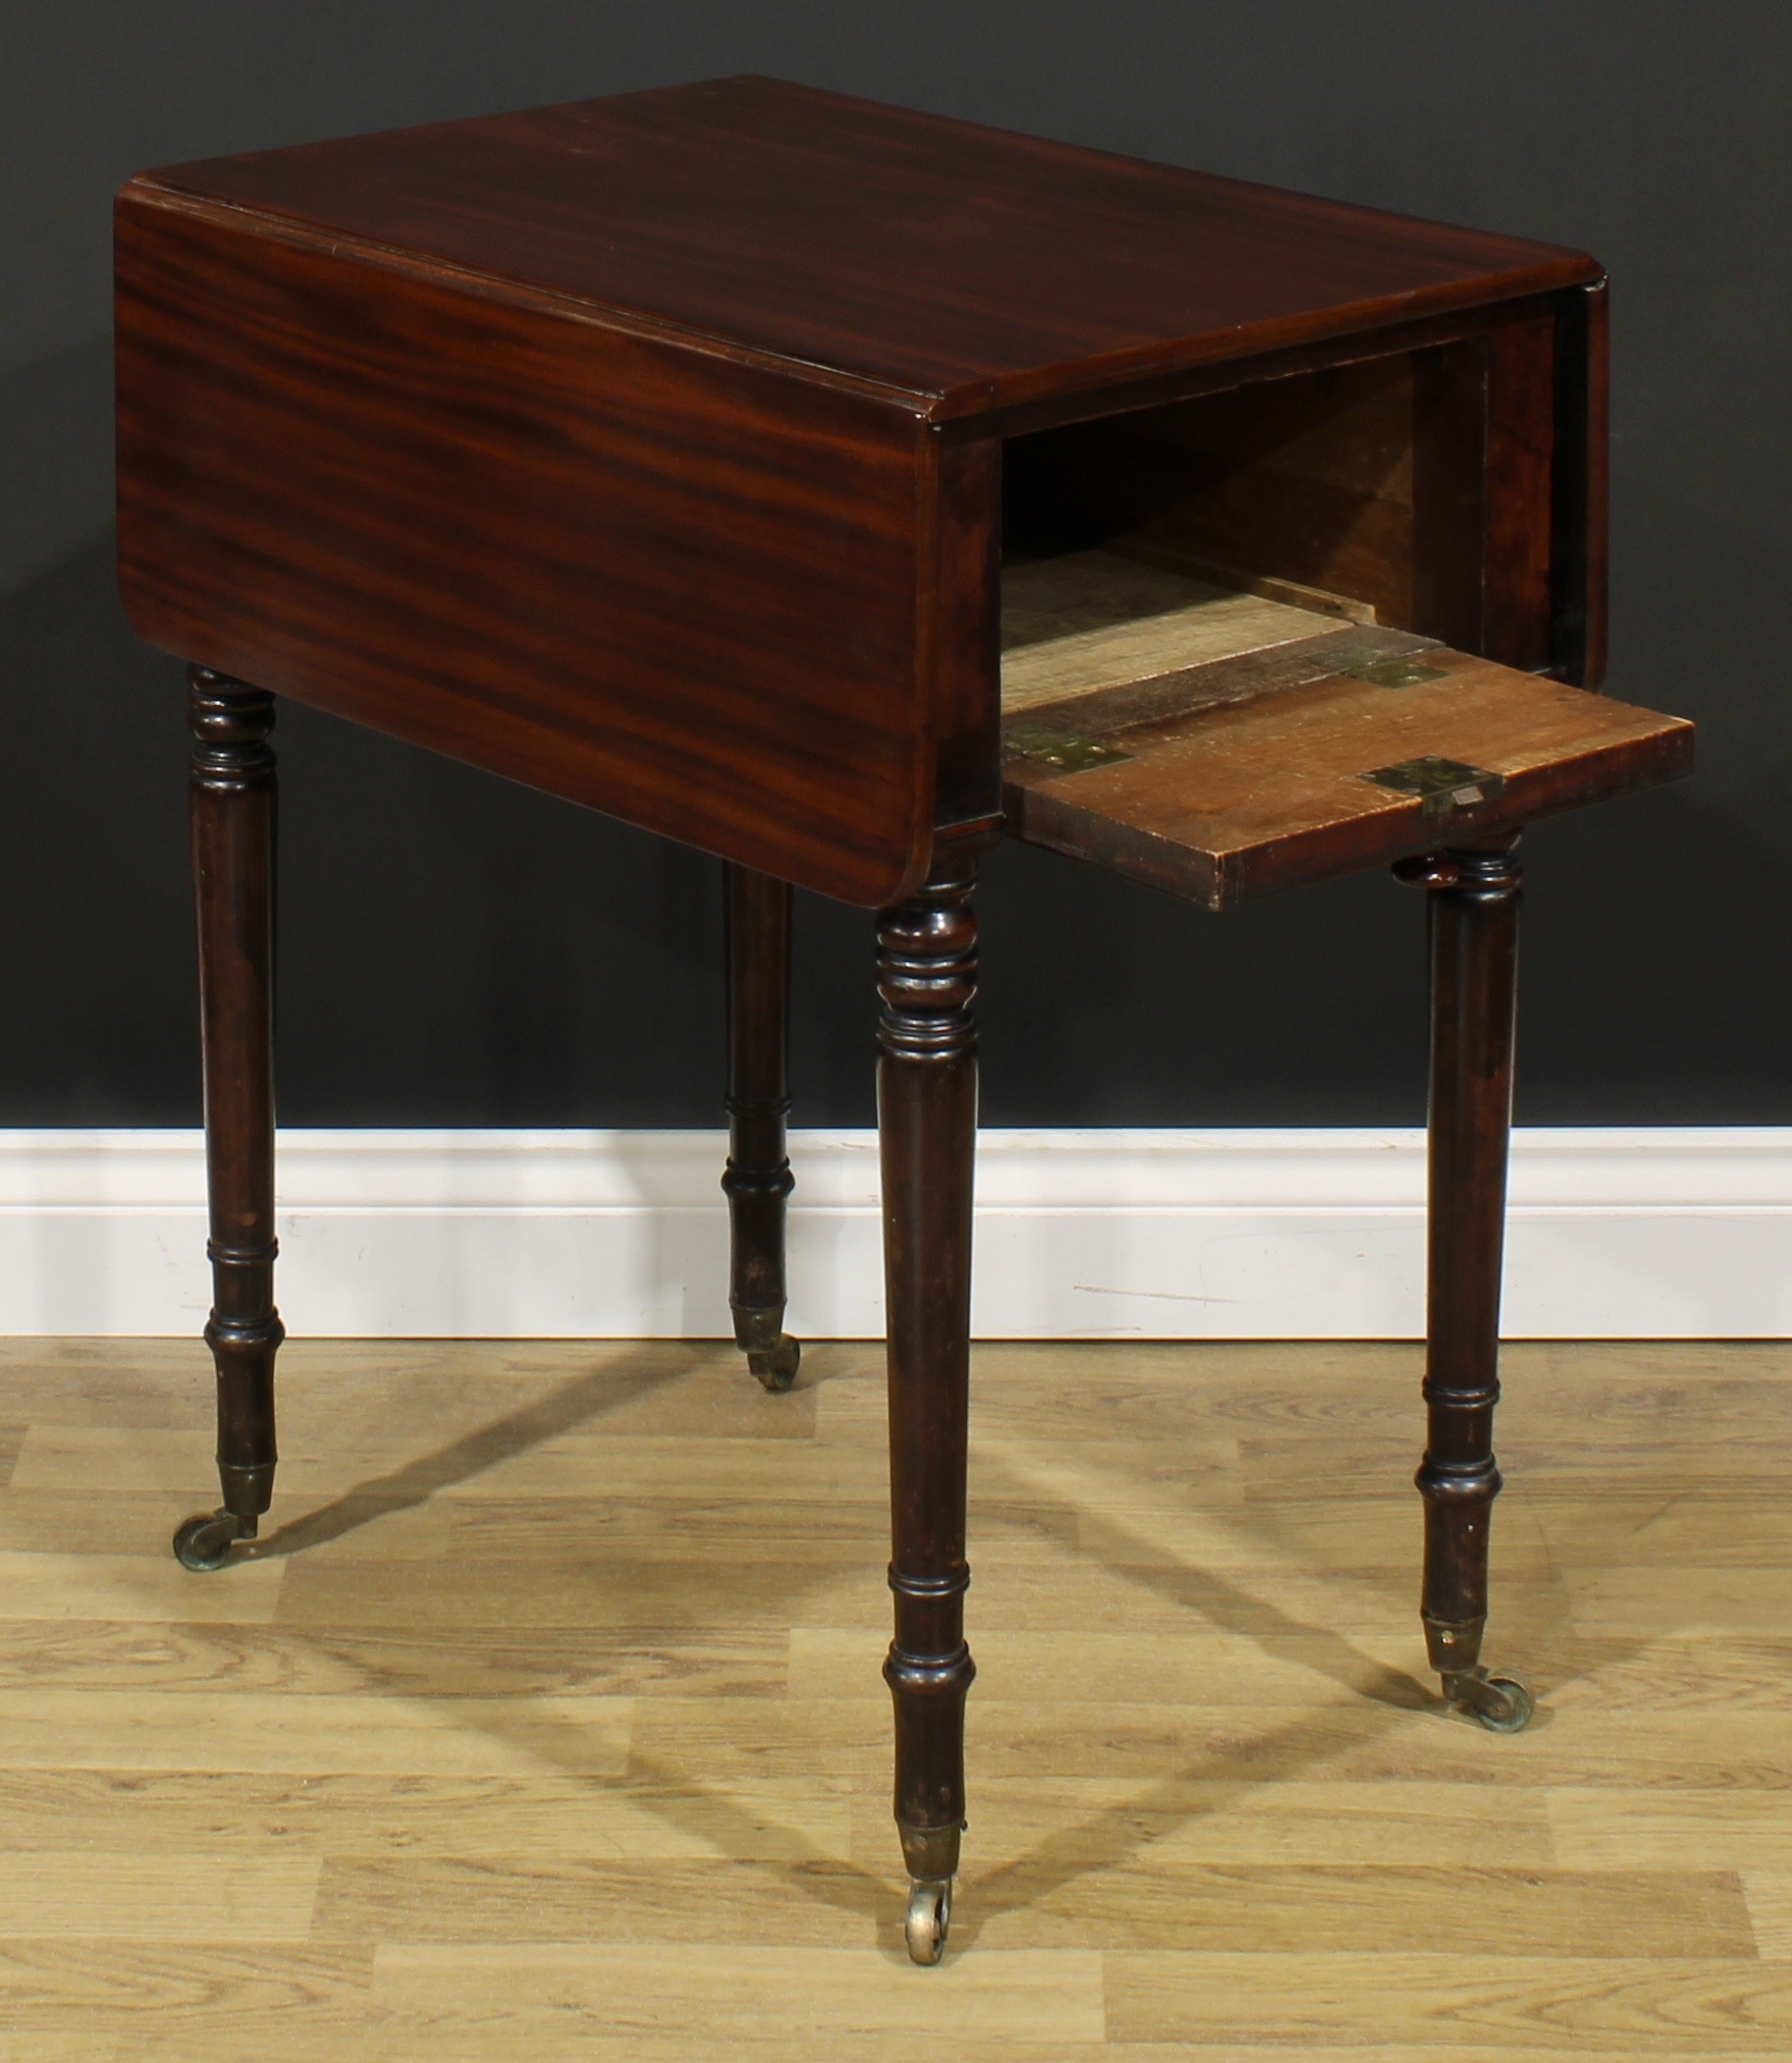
930, 1915
776, 1366
932, 1856
1501, 1703
204, 1542
771, 1353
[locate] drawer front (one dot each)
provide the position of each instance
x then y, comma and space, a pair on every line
1221, 743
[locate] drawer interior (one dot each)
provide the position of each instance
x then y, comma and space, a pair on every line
1095, 620
1346, 485
1226, 664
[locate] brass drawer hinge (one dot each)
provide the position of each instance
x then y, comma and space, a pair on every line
1440, 785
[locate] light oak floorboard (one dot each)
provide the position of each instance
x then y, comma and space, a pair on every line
1539, 2004
92, 1894
1770, 1900
545, 1721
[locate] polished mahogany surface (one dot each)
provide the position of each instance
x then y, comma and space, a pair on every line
669, 585
650, 451
961, 267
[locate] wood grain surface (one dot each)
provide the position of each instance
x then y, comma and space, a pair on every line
661, 584
546, 1719
1095, 620
967, 268
1258, 778
649, 450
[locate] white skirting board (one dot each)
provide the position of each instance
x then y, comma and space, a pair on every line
1646, 1233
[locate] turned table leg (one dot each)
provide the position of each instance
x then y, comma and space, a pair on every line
757, 1178
927, 1125
1474, 972
232, 796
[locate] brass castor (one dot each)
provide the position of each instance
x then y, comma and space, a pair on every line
1501, 1703
204, 1542
930, 1913
776, 1367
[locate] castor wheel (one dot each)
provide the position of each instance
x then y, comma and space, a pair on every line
204, 1542
1512, 1715
930, 1913
776, 1366
1501, 1703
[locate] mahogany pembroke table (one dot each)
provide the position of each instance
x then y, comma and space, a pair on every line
833, 488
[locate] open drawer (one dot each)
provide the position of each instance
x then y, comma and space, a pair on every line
1220, 739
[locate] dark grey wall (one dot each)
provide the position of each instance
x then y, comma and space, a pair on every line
457, 950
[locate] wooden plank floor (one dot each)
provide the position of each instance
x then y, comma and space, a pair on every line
547, 1721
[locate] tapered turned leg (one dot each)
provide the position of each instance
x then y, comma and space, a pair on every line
232, 796
927, 1124
757, 1178
1473, 973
